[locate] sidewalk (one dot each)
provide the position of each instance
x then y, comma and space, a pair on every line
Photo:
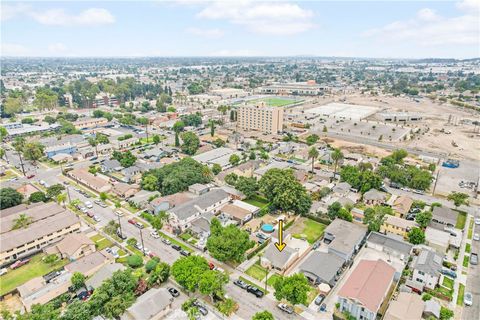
461, 278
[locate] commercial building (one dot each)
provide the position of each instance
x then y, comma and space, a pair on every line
366, 289
18, 129
260, 117
399, 116
50, 223
307, 88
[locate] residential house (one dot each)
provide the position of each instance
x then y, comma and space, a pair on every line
407, 306
123, 144
60, 149
432, 309
426, 268
38, 291
132, 174
220, 156
81, 175
154, 304
181, 216
89, 123
239, 211
142, 198
72, 247
341, 189
27, 189
89, 265
110, 166
397, 225
198, 188
258, 173
401, 206
279, 261
321, 267
233, 193
344, 238
374, 197
437, 239
167, 202
125, 190
391, 245
104, 273
366, 289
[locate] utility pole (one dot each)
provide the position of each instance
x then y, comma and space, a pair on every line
141, 238
120, 226
21, 163
68, 194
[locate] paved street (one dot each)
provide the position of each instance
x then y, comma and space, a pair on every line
473, 282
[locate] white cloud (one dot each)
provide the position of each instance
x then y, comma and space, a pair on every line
14, 49
468, 5
89, 17
58, 17
57, 48
206, 33
277, 18
429, 29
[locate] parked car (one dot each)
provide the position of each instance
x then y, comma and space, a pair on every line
83, 209
261, 236
477, 220
166, 241
285, 308
103, 204
120, 235
211, 265
138, 246
88, 204
201, 308
240, 284
174, 292
90, 214
154, 235
30, 176
476, 237
255, 291
120, 214
97, 218
323, 307
449, 273
176, 247
132, 221
184, 253
319, 299
3, 271
19, 263
139, 225
474, 258
468, 299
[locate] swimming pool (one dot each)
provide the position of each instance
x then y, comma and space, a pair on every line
268, 228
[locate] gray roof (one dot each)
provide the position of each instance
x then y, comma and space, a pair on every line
202, 224
433, 307
322, 265
199, 203
111, 164
428, 261
104, 273
444, 215
149, 304
276, 258
374, 194
390, 242
341, 187
346, 235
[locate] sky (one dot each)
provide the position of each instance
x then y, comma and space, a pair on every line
374, 29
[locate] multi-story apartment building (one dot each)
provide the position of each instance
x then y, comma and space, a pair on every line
397, 225
260, 117
49, 223
90, 123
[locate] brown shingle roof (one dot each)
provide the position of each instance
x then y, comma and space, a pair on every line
235, 211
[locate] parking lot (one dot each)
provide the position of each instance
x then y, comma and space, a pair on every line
449, 179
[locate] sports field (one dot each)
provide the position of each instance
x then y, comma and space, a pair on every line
276, 101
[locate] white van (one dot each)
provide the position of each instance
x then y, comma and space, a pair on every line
88, 204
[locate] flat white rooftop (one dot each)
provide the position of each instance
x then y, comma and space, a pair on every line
343, 110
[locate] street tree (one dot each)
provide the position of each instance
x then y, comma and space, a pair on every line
416, 236
337, 155
78, 280
187, 271
458, 198
313, 154
9, 198
294, 289
191, 143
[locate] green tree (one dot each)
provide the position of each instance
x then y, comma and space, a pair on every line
177, 140
212, 128
313, 154
159, 274
103, 196
218, 143
227, 307
132, 242
54, 190
216, 168
312, 139
78, 280
151, 264
134, 261
458, 198
234, 159
12, 106
416, 236
156, 139
333, 210
212, 282
336, 155
178, 126
191, 143
248, 186
51, 259
284, 191
374, 217
33, 151
345, 214
9, 198
423, 218
228, 243
263, 315
150, 182
445, 313
188, 271
61, 198
231, 178
22, 221
294, 289
38, 196
77, 310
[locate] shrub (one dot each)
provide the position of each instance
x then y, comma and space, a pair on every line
135, 261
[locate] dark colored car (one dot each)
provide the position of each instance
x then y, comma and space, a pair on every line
174, 292
240, 284
176, 247
323, 307
255, 291
121, 236
50, 276
201, 308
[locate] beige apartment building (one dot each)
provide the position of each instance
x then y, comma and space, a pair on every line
90, 123
260, 117
49, 223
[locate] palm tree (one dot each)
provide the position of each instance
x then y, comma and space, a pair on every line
61, 198
94, 143
19, 144
313, 154
337, 155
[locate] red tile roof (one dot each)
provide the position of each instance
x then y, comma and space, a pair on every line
368, 283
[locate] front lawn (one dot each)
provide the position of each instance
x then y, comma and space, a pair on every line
35, 268
273, 278
312, 230
8, 175
447, 282
468, 248
466, 260
461, 219
256, 271
461, 293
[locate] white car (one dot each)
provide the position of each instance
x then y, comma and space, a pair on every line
147, 251
97, 218
468, 299
476, 237
88, 204
154, 235
477, 220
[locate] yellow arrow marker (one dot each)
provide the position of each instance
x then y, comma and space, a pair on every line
280, 244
